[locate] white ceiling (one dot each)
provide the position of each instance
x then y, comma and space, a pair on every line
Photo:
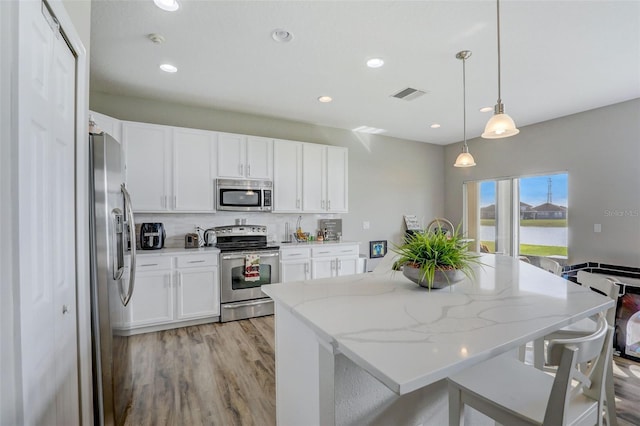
558, 58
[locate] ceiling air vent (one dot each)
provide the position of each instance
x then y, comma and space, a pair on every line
408, 94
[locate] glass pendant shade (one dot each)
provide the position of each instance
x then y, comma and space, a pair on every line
500, 126
465, 159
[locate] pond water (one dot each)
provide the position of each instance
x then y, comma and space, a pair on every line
537, 235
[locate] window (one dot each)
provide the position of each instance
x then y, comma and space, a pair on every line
521, 216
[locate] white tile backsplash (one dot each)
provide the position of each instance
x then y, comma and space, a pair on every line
178, 224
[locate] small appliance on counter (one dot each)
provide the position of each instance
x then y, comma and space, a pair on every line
152, 236
210, 237
191, 241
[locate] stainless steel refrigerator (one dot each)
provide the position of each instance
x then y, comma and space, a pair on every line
112, 238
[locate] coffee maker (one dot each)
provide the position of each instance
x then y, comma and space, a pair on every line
152, 236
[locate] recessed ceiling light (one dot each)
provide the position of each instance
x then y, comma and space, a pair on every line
282, 36
375, 62
168, 68
486, 109
325, 99
168, 5
156, 38
435, 126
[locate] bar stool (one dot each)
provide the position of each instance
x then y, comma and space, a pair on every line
511, 392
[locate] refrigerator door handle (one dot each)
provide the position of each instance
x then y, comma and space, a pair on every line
131, 225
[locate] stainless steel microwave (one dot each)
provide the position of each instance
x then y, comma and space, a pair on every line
244, 195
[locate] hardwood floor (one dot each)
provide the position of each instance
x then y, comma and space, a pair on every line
224, 374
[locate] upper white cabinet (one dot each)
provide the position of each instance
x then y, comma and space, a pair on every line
169, 168
241, 156
193, 170
148, 163
325, 179
287, 176
309, 178
109, 125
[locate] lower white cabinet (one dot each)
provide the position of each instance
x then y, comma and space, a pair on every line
172, 291
334, 261
295, 264
321, 261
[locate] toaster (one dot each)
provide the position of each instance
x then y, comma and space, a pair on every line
152, 236
191, 241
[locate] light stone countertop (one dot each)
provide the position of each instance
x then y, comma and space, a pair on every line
408, 337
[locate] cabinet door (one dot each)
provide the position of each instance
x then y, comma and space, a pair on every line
108, 124
313, 157
148, 152
323, 267
152, 299
287, 176
295, 270
259, 162
231, 155
346, 266
337, 179
198, 293
193, 157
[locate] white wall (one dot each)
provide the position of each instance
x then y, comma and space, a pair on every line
388, 177
600, 150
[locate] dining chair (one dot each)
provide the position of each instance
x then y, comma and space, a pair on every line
550, 265
607, 287
511, 392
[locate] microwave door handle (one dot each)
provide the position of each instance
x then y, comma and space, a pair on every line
131, 225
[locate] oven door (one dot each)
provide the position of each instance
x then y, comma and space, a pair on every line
238, 285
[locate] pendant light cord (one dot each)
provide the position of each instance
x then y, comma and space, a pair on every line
499, 77
464, 100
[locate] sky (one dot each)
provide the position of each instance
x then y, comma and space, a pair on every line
533, 190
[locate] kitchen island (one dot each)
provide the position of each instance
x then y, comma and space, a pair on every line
375, 348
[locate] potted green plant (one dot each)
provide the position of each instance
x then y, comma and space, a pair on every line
436, 258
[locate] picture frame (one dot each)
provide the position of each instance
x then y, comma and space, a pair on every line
377, 248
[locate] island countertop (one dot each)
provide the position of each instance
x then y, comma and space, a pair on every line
409, 337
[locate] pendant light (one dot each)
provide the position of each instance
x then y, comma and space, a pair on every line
465, 159
500, 125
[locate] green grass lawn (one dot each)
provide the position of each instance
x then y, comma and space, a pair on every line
550, 223
533, 250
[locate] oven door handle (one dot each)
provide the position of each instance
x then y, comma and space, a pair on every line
249, 303
243, 255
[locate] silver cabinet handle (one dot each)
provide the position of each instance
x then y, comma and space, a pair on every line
175, 203
328, 204
248, 169
132, 236
241, 169
148, 264
298, 203
333, 265
322, 204
339, 262
323, 252
295, 254
196, 261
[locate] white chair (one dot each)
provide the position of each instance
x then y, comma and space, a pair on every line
607, 287
513, 393
550, 265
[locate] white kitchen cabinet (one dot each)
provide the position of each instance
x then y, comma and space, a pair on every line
108, 124
334, 261
169, 168
152, 301
148, 166
193, 170
295, 264
198, 286
287, 176
325, 179
241, 156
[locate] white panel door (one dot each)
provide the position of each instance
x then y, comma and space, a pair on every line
259, 163
198, 293
48, 334
231, 155
337, 179
346, 266
287, 176
323, 267
193, 175
152, 300
313, 196
295, 270
148, 152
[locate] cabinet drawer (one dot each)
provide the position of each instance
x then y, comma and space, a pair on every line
197, 260
152, 263
335, 251
292, 254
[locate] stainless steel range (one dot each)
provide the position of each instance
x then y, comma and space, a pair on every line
247, 262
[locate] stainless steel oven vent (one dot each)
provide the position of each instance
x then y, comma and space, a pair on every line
408, 94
